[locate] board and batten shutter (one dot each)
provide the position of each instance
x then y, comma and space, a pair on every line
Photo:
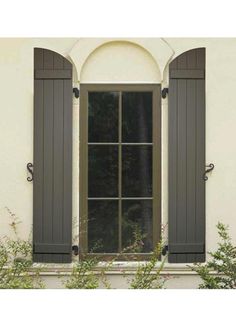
52, 194
186, 157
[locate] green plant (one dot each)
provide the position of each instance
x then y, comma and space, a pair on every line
88, 273
147, 275
83, 275
16, 261
137, 240
220, 271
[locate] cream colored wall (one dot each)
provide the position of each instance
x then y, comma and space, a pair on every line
97, 65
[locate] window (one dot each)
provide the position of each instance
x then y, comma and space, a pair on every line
120, 173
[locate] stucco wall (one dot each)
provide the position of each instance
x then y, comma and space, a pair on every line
16, 123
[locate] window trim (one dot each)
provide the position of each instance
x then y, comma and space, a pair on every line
83, 163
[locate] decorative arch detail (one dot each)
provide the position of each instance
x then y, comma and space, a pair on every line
158, 51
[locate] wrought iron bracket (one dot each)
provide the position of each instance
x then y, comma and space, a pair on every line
75, 249
164, 92
76, 92
209, 167
165, 250
30, 167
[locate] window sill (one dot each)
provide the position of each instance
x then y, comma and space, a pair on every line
117, 268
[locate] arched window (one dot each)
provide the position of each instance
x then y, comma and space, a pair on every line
120, 153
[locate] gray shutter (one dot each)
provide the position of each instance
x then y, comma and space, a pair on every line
52, 208
186, 115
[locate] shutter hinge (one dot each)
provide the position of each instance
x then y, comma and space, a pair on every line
164, 250
76, 92
164, 92
75, 249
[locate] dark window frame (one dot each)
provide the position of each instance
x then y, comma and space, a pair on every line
83, 163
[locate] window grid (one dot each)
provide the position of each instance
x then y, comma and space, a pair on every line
120, 144
156, 210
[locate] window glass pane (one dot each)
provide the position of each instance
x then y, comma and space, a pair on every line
103, 171
103, 226
137, 117
103, 116
137, 171
137, 225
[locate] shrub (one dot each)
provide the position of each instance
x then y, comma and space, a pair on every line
220, 271
86, 274
148, 276
83, 275
16, 262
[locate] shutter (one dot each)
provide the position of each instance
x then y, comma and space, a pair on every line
52, 210
187, 157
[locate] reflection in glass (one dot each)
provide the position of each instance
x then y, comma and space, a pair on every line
137, 171
102, 171
103, 226
137, 225
103, 116
137, 117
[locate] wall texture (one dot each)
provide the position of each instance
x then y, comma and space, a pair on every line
140, 60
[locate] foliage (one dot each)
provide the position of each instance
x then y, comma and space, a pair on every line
16, 262
83, 275
223, 264
147, 276
86, 274
137, 240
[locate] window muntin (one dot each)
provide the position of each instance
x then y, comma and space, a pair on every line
119, 189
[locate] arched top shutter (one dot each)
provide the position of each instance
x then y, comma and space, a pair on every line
52, 207
186, 116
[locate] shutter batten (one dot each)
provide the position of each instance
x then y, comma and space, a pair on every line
186, 248
52, 248
53, 74
186, 115
187, 73
52, 213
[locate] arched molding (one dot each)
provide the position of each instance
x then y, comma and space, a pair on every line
157, 49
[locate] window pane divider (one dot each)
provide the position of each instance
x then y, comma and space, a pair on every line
120, 173
130, 143
117, 143
122, 198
